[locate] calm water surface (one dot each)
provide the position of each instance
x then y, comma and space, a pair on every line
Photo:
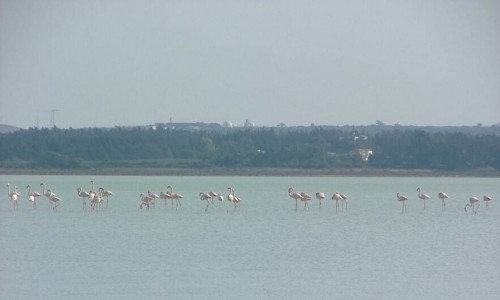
264, 251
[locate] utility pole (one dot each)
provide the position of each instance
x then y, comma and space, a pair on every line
53, 117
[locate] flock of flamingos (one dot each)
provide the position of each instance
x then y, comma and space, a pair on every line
95, 199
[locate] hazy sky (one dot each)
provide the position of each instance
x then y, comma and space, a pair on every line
107, 63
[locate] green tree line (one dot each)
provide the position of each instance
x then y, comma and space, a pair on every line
256, 147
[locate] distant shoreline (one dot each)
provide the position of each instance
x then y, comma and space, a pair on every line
359, 172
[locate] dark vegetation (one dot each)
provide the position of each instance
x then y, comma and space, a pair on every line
300, 147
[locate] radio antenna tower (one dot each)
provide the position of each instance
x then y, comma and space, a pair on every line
53, 117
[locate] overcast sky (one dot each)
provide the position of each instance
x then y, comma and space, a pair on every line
113, 63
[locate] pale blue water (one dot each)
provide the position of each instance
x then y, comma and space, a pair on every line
264, 251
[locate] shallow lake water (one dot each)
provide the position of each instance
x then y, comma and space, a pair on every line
265, 250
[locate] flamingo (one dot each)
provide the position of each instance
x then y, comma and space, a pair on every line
165, 196
154, 197
344, 200
217, 196
237, 202
235, 199
402, 199
305, 198
97, 201
294, 195
487, 199
320, 196
84, 195
47, 193
230, 196
54, 198
145, 201
13, 196
175, 196
473, 203
32, 196
106, 193
337, 197
206, 197
443, 196
423, 196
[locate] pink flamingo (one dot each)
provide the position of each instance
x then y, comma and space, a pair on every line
84, 195
473, 203
106, 193
305, 198
205, 197
145, 201
13, 196
320, 196
234, 199
47, 193
230, 196
154, 197
96, 201
54, 198
403, 199
165, 196
175, 196
344, 200
294, 195
337, 197
443, 196
237, 203
487, 199
423, 196
32, 196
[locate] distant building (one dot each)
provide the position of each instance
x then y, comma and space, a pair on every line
249, 124
365, 154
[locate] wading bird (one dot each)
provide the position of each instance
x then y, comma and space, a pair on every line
337, 197
145, 201
205, 197
443, 196
47, 193
32, 196
13, 196
235, 199
105, 193
320, 196
165, 196
175, 196
423, 196
294, 195
154, 197
344, 200
403, 199
305, 198
84, 195
473, 203
487, 199
55, 199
